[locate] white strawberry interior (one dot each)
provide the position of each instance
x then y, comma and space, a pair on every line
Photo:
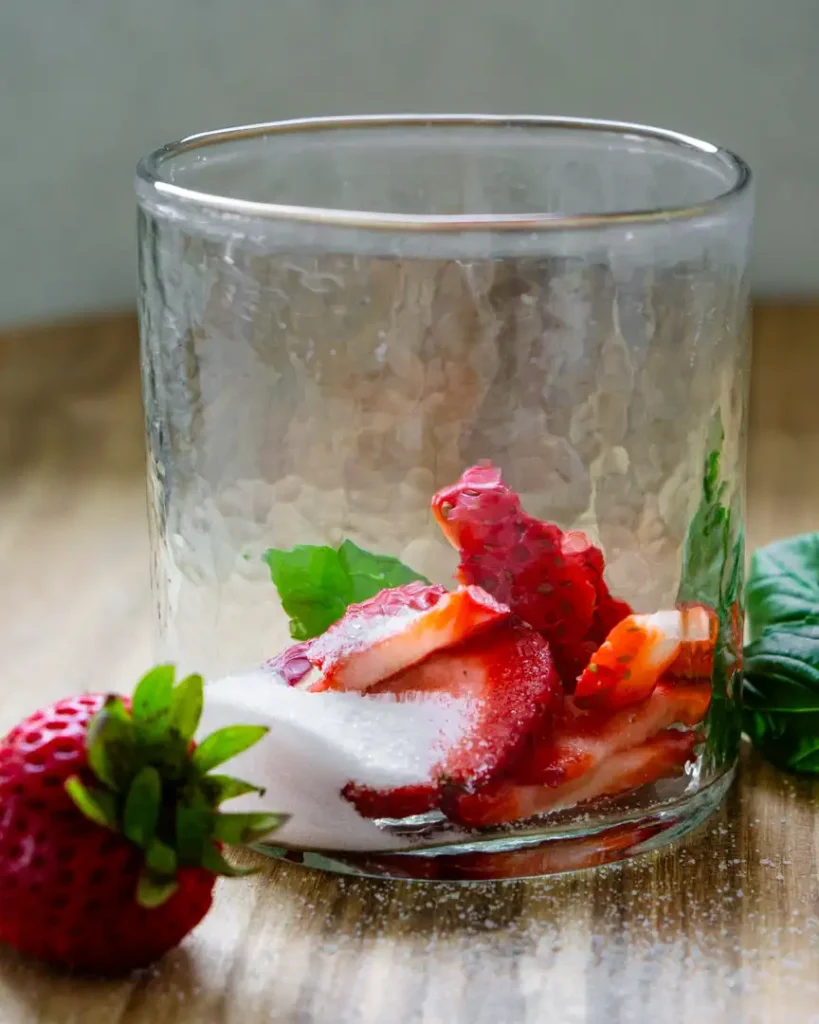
362, 649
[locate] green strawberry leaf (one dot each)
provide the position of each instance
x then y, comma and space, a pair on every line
160, 858
154, 890
213, 860
153, 694
96, 804
186, 706
111, 746
153, 784
316, 584
142, 806
239, 829
225, 744
219, 788
193, 825
784, 584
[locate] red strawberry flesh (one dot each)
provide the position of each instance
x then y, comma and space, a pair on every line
663, 756
551, 579
508, 677
388, 633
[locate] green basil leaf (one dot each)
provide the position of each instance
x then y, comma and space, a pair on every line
784, 583
781, 689
313, 587
225, 744
707, 540
712, 574
369, 574
316, 584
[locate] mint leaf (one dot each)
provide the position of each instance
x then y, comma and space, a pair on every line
784, 584
316, 584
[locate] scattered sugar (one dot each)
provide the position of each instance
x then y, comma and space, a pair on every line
318, 742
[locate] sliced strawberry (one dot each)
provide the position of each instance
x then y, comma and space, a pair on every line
663, 756
386, 634
696, 657
637, 652
551, 579
402, 802
582, 739
509, 679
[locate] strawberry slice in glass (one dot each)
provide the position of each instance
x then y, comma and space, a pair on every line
642, 648
592, 754
388, 633
508, 680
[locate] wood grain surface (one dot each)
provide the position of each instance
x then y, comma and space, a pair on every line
722, 927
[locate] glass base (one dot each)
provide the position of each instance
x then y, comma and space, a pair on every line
516, 856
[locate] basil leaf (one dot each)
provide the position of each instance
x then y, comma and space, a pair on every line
316, 584
369, 574
781, 690
313, 586
784, 583
707, 541
781, 713
712, 574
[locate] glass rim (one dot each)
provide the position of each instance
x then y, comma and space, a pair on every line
149, 173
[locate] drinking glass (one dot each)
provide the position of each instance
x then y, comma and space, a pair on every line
445, 426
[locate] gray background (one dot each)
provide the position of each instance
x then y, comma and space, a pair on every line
86, 86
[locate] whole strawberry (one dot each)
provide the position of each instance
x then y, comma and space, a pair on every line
110, 833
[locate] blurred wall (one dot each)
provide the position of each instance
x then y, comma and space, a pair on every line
86, 86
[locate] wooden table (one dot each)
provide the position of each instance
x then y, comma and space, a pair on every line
724, 926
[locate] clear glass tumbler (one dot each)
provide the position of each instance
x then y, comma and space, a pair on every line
446, 424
